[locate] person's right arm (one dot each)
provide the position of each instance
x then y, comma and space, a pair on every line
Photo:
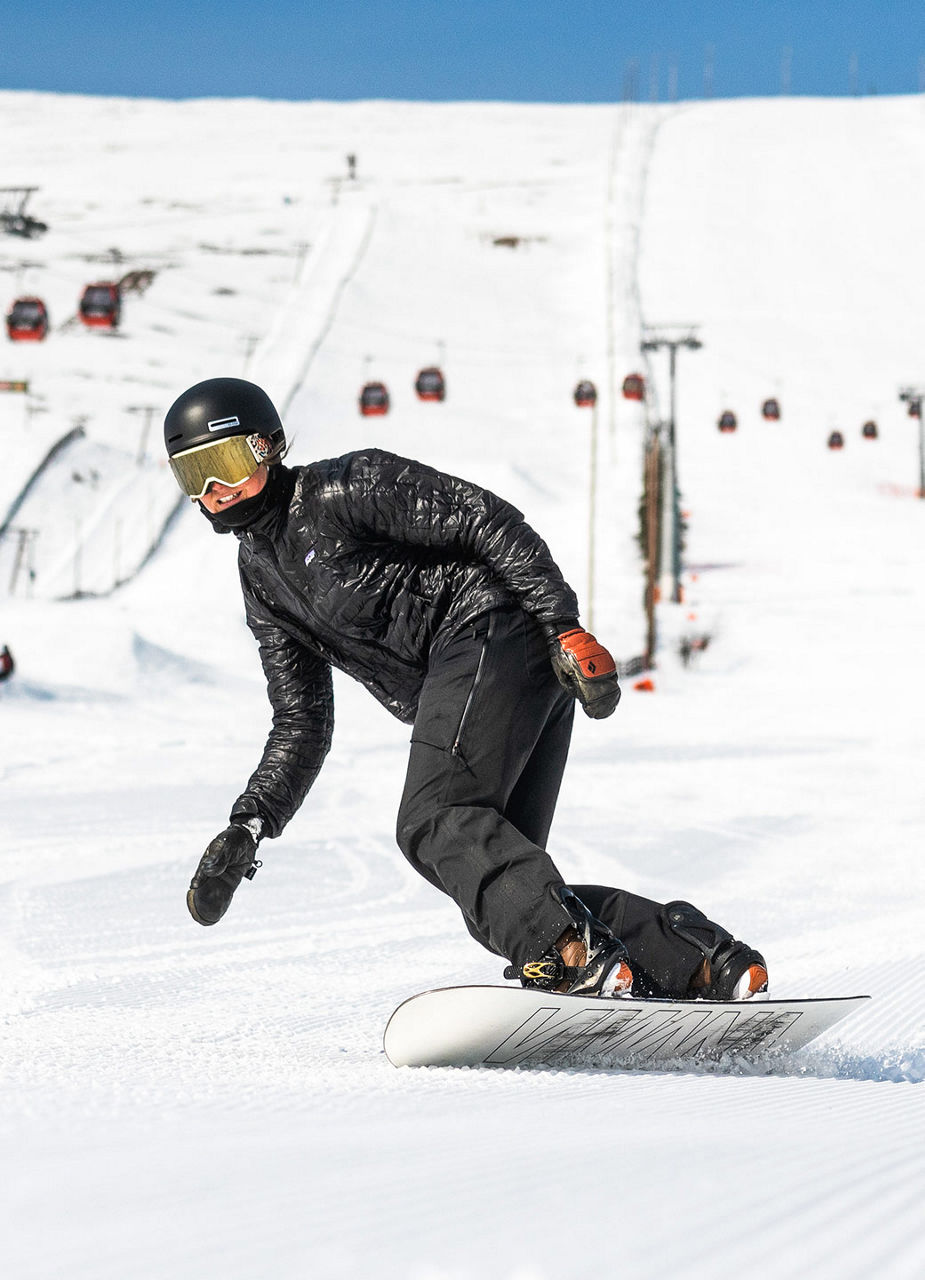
300, 690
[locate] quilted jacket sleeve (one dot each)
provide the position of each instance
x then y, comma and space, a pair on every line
300, 690
397, 500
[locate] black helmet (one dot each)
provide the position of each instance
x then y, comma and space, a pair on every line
217, 410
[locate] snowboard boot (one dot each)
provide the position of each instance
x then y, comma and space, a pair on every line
730, 970
586, 960
736, 973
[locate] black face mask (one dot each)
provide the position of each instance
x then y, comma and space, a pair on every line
244, 514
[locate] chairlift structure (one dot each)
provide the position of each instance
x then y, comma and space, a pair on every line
634, 387
430, 384
27, 320
374, 399
770, 410
101, 305
13, 217
585, 394
912, 397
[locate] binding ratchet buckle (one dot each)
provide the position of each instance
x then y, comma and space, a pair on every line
546, 973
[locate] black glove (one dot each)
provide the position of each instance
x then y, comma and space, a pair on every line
587, 670
221, 868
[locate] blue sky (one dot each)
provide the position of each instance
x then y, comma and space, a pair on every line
513, 50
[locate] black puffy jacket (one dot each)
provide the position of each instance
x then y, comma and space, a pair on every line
362, 563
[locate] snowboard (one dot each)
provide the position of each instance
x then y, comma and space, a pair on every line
510, 1026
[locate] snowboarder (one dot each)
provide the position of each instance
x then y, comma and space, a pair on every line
438, 597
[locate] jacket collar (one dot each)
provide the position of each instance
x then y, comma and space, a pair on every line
273, 512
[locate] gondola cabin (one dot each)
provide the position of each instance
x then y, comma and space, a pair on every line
585, 394
27, 320
869, 431
915, 408
836, 440
101, 306
374, 399
430, 384
634, 387
770, 410
727, 421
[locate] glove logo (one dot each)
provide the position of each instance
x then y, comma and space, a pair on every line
587, 670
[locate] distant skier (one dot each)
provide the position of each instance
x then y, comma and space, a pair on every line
440, 599
7, 665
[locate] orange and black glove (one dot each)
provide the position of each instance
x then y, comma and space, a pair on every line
586, 669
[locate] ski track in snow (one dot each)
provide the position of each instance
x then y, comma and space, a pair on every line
196, 1103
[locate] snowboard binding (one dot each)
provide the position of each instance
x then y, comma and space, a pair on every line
587, 960
730, 970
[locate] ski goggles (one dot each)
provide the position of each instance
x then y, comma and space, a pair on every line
231, 462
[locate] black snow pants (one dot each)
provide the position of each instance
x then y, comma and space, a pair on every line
488, 750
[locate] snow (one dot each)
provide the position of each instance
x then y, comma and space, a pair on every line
215, 1103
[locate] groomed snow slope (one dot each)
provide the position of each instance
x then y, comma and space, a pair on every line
214, 1103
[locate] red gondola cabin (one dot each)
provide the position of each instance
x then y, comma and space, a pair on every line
430, 385
836, 440
770, 410
634, 387
101, 306
374, 399
869, 430
27, 320
727, 421
585, 394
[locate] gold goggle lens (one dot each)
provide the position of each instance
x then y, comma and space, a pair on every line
231, 462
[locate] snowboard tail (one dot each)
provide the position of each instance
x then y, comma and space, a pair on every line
510, 1026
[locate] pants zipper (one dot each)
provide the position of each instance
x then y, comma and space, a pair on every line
475, 684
